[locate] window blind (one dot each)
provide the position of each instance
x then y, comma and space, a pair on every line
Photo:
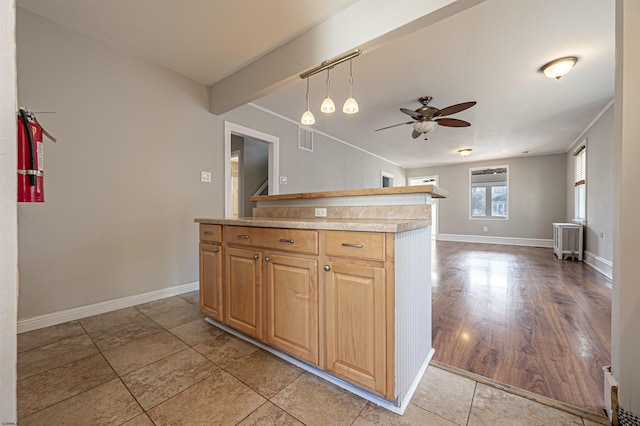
580, 158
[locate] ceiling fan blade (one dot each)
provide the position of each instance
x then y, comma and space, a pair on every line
415, 115
454, 108
395, 125
452, 122
415, 134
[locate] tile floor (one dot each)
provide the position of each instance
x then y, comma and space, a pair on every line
160, 363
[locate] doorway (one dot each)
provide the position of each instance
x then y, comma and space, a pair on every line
424, 180
386, 179
251, 147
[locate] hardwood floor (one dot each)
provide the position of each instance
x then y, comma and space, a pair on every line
520, 316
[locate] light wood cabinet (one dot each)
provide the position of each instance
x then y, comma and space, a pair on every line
355, 324
244, 291
324, 297
292, 305
211, 280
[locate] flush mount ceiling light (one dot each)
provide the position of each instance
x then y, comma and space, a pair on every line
464, 152
307, 118
559, 67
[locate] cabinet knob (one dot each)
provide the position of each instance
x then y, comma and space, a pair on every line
215, 250
255, 257
266, 259
327, 268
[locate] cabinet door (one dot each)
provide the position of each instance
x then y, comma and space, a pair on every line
243, 291
211, 280
356, 336
292, 305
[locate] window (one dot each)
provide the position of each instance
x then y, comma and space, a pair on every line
489, 197
580, 191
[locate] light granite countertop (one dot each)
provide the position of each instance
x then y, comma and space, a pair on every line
372, 225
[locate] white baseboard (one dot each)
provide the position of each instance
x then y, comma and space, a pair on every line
46, 320
510, 241
600, 264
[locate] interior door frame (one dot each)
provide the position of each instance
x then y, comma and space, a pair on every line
274, 156
436, 205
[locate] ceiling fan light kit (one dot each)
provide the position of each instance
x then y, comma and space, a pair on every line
328, 106
559, 67
427, 117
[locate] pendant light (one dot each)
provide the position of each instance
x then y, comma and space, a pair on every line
350, 105
327, 105
307, 118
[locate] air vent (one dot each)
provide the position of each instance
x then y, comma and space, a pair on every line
305, 139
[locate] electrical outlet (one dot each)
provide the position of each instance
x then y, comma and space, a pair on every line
486, 229
205, 177
283, 180
321, 212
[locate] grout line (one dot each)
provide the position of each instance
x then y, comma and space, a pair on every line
473, 397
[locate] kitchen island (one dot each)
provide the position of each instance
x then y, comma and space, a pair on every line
337, 282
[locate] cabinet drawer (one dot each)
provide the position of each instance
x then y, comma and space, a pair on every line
358, 245
210, 233
293, 240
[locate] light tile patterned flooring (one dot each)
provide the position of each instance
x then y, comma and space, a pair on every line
160, 363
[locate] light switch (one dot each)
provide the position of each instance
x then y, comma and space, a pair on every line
205, 177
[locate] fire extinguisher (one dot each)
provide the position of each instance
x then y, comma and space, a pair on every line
30, 157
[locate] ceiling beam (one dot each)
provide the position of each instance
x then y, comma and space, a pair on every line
366, 25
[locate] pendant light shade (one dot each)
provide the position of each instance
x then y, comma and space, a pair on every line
350, 105
307, 118
327, 105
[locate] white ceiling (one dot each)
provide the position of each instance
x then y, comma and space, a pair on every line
489, 53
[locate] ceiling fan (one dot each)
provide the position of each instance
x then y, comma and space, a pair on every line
426, 117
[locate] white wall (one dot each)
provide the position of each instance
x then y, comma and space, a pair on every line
625, 343
8, 221
536, 197
331, 166
122, 185
599, 178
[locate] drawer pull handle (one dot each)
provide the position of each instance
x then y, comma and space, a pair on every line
215, 250
208, 232
243, 237
327, 268
284, 240
352, 245
255, 257
267, 259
